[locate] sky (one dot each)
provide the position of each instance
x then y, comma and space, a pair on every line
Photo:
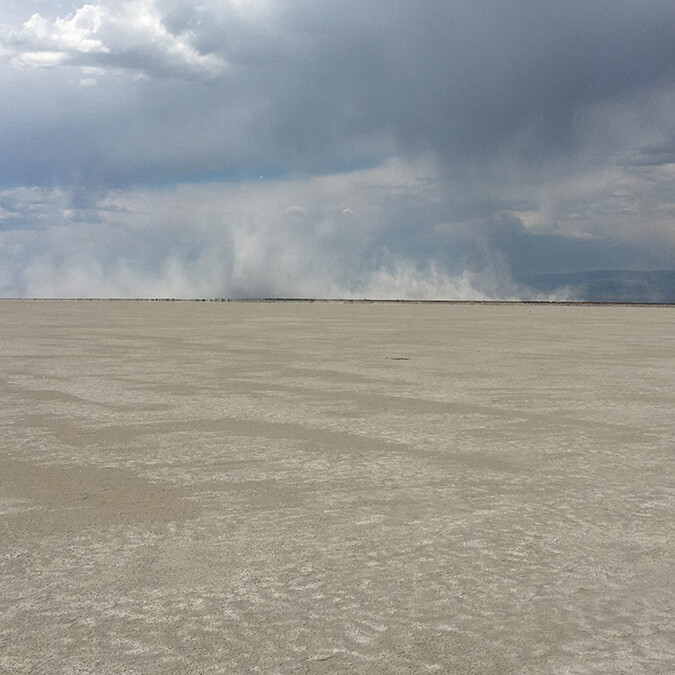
294, 148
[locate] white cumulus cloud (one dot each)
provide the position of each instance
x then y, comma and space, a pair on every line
128, 34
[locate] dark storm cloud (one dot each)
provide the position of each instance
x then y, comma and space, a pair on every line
310, 86
661, 155
462, 78
545, 128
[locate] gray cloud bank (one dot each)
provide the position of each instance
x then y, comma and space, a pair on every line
251, 147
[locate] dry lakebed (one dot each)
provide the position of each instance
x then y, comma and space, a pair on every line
305, 487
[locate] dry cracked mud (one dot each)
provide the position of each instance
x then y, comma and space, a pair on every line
327, 488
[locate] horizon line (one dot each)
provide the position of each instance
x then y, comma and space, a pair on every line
420, 301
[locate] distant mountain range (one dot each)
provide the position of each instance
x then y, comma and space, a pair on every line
606, 286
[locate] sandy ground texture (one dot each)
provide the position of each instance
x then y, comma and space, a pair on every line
326, 488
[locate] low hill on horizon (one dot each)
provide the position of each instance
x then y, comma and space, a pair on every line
607, 286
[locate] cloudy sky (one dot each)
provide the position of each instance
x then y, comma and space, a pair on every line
391, 148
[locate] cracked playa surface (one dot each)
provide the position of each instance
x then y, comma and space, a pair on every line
325, 488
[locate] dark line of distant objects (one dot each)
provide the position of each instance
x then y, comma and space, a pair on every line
361, 301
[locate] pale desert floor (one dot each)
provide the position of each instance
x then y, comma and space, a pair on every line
325, 488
